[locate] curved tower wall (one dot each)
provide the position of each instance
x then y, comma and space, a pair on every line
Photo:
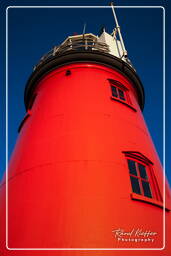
69, 182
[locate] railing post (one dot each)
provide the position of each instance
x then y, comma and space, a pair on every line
54, 50
86, 46
70, 43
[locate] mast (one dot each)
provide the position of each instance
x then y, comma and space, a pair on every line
119, 31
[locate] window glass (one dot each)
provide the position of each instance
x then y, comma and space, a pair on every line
121, 94
114, 91
146, 188
142, 179
143, 172
135, 185
132, 167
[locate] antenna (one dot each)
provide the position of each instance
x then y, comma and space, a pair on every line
119, 31
84, 28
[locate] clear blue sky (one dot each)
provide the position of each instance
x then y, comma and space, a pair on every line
33, 32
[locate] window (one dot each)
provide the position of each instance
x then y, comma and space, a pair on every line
142, 179
139, 179
120, 93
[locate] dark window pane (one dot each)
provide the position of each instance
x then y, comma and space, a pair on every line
143, 172
132, 167
135, 185
114, 91
121, 94
146, 188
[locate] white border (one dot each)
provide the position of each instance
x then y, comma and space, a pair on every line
83, 249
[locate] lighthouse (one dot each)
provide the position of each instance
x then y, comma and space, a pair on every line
84, 174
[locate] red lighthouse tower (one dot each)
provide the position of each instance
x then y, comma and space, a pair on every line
84, 173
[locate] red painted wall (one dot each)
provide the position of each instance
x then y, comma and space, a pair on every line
69, 183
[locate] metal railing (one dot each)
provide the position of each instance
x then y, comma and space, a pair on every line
85, 42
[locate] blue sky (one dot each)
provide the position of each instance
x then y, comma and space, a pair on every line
33, 32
